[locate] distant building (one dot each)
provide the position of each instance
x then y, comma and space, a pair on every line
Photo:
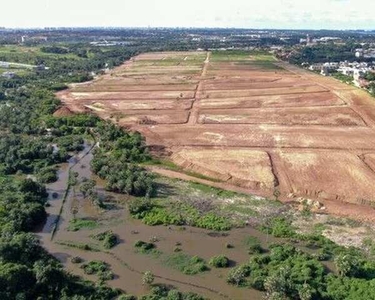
316, 67
9, 75
4, 65
359, 53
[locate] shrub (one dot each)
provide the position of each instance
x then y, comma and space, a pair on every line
280, 227
99, 268
76, 260
108, 239
253, 245
237, 275
213, 222
148, 278
138, 207
219, 261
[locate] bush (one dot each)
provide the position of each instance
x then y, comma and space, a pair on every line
237, 275
94, 267
219, 261
280, 227
108, 239
76, 260
99, 268
213, 222
139, 207
144, 247
253, 245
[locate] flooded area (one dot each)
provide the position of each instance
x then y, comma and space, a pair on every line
125, 262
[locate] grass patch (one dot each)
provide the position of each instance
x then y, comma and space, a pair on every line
77, 224
214, 191
81, 246
177, 213
253, 245
280, 227
243, 208
167, 164
189, 265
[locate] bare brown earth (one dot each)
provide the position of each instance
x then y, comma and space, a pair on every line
261, 127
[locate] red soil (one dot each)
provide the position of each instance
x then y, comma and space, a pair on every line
258, 129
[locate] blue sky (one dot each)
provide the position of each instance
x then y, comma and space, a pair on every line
294, 14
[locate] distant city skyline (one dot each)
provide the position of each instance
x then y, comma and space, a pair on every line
268, 14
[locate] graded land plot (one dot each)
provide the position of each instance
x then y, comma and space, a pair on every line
139, 104
153, 118
262, 92
284, 116
132, 95
314, 172
249, 168
309, 100
149, 87
226, 114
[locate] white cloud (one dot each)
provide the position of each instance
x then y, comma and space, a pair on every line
337, 14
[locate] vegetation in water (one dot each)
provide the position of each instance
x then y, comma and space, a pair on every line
219, 261
99, 268
77, 224
177, 213
189, 265
108, 239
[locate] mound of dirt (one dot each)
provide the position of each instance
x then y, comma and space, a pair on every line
62, 112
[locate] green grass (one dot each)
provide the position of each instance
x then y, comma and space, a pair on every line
189, 265
19, 72
213, 191
233, 55
179, 213
167, 164
81, 246
257, 64
163, 163
77, 224
252, 244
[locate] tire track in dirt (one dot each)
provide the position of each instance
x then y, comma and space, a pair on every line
194, 112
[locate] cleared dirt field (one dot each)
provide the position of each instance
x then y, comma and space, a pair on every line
246, 120
284, 116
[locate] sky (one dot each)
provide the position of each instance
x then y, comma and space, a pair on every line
282, 14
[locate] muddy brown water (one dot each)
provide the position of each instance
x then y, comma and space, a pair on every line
125, 263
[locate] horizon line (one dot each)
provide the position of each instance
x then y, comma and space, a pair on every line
177, 27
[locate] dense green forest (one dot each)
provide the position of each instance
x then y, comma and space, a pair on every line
325, 52
32, 142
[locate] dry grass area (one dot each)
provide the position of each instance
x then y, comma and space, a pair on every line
247, 120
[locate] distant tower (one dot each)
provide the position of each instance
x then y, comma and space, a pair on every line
23, 39
308, 39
